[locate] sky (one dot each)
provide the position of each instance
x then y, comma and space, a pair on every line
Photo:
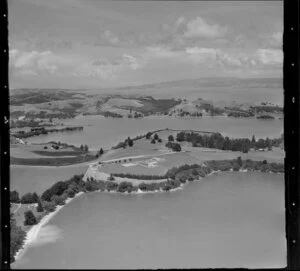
96, 43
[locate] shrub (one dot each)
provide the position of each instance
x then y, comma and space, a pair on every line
17, 237
148, 135
140, 177
236, 166
174, 146
190, 179
142, 186
70, 192
49, 206
30, 198
111, 186
159, 140
153, 141
59, 200
39, 208
14, 197
130, 142
195, 172
30, 219
182, 179
56, 189
91, 186
125, 187
170, 138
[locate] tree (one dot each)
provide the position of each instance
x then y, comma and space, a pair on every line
59, 200
130, 142
180, 136
36, 198
17, 236
148, 135
56, 189
265, 162
30, 198
260, 144
268, 143
253, 141
111, 178
14, 197
39, 208
101, 151
86, 148
153, 141
159, 140
49, 206
81, 147
194, 143
170, 138
30, 219
239, 161
176, 147
156, 136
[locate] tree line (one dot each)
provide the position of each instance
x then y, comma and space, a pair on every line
217, 141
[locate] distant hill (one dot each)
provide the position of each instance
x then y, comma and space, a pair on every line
206, 95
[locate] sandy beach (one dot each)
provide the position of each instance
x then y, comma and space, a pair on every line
32, 234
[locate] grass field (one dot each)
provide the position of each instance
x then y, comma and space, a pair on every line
54, 161
19, 209
135, 160
37, 155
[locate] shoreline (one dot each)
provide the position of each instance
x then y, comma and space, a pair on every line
32, 233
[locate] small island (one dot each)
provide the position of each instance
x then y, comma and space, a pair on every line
36, 131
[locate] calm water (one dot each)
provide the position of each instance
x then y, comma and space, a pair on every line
106, 132
228, 220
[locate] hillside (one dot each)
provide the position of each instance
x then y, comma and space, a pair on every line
196, 97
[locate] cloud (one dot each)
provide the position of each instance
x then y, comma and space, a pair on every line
205, 52
277, 37
215, 57
270, 56
108, 69
185, 32
199, 28
162, 52
104, 72
272, 40
218, 57
131, 61
110, 37
31, 62
46, 63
